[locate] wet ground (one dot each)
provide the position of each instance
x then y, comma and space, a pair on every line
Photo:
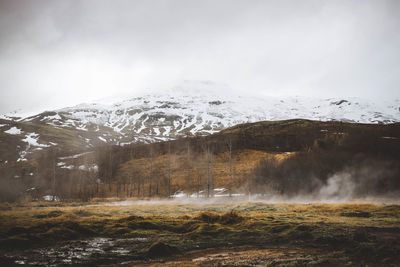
90, 252
250, 256
237, 234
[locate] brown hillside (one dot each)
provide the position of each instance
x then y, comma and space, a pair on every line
191, 174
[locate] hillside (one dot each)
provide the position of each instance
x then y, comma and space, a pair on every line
232, 159
235, 152
246, 158
180, 112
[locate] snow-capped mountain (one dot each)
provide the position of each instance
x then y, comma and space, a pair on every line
186, 110
163, 116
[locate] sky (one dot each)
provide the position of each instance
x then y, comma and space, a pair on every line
56, 53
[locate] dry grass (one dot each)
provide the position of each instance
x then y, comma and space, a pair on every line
357, 230
243, 163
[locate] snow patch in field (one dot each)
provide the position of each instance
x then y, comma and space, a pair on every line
22, 156
389, 137
69, 167
51, 198
32, 140
13, 130
76, 155
91, 167
54, 117
82, 127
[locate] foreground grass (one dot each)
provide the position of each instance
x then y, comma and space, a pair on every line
356, 233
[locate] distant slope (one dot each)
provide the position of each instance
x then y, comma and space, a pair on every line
301, 150
190, 109
294, 153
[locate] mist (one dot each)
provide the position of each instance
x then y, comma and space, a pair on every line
362, 179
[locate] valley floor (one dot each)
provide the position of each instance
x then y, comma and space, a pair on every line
168, 233
251, 256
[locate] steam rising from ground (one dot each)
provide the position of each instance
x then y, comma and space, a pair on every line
370, 181
338, 187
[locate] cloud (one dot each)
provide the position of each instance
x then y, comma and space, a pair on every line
57, 53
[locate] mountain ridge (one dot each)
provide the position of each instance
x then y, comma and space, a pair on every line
166, 116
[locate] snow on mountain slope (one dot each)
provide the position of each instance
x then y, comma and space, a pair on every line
166, 116
193, 109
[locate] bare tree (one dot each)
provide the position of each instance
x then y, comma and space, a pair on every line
131, 176
229, 144
210, 171
169, 169
188, 171
54, 175
110, 169
151, 171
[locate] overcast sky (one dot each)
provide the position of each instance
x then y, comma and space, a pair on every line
60, 53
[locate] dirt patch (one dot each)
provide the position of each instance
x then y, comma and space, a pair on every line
250, 256
159, 249
51, 214
231, 217
359, 214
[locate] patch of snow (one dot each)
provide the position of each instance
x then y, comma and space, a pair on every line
82, 127
70, 167
76, 155
32, 140
178, 194
220, 189
143, 125
389, 137
13, 130
51, 198
95, 167
54, 117
22, 156
31, 118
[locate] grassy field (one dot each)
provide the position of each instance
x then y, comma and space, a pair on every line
149, 233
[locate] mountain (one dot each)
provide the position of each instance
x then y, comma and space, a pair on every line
299, 156
186, 110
